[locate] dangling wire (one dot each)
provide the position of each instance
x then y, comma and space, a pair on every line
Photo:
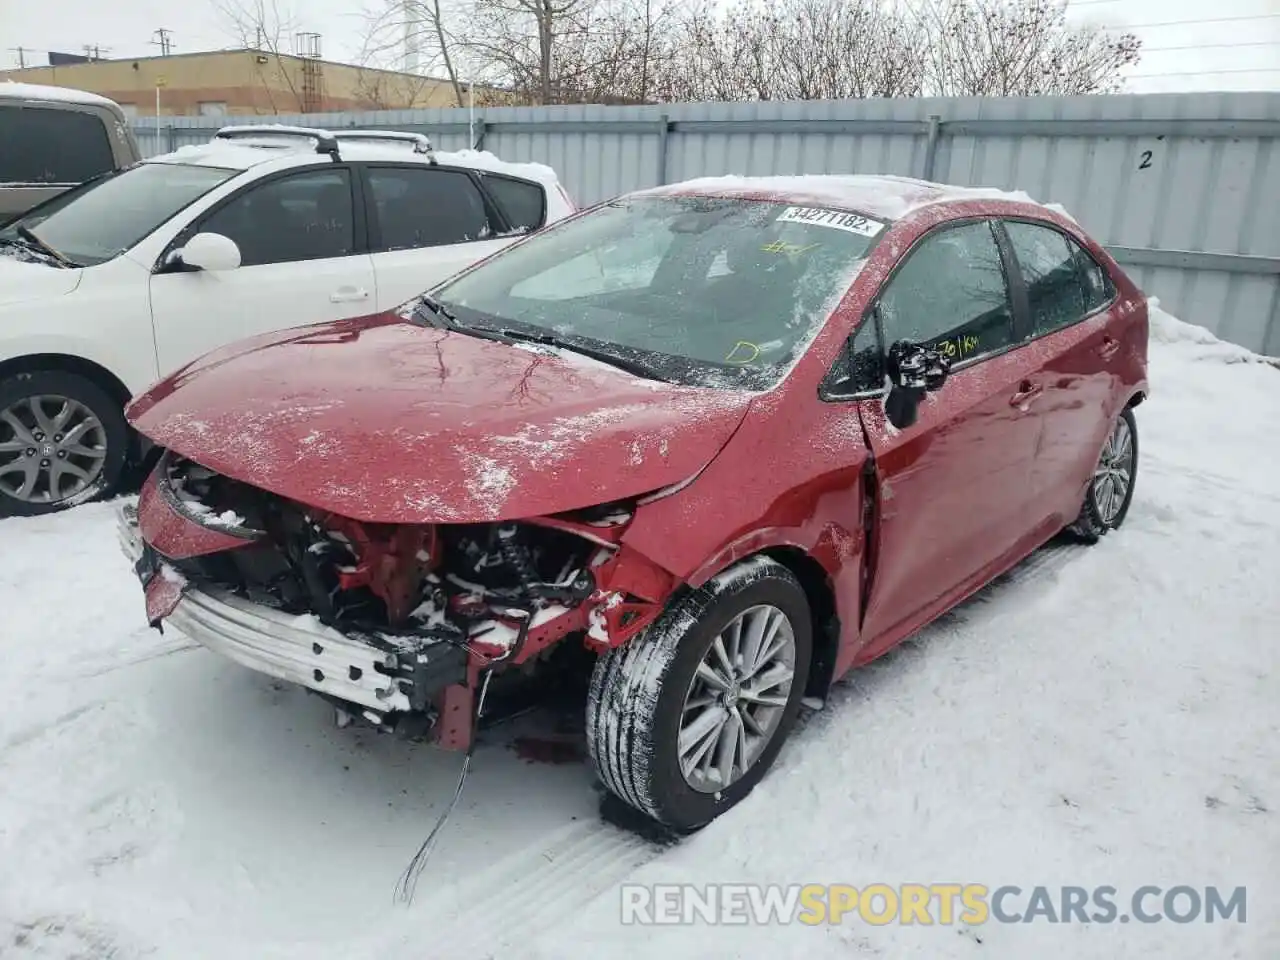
408, 882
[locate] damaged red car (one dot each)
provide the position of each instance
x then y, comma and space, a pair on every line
724, 441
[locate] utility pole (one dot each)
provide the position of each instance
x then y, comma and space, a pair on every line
164, 41
92, 51
22, 56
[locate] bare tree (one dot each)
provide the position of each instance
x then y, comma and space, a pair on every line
613, 51
1009, 48
521, 39
797, 50
424, 26
266, 26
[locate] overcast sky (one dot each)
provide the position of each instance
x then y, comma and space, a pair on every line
1188, 44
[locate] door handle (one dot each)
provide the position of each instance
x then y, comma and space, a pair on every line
348, 295
1110, 345
1027, 391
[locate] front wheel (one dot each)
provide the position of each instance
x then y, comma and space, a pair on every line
1106, 502
63, 440
686, 719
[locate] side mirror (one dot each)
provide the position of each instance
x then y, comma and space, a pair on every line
209, 251
913, 371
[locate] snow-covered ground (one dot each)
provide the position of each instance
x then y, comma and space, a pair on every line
1107, 715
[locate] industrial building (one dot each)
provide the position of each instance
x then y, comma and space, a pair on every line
242, 82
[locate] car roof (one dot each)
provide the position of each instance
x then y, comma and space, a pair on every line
11, 90
280, 153
883, 197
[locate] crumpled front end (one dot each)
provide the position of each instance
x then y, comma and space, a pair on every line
397, 624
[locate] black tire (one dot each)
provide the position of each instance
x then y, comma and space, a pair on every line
1092, 523
638, 694
107, 410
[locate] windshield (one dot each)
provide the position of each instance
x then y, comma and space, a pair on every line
108, 216
708, 291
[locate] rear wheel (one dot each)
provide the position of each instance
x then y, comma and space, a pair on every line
1106, 502
685, 720
63, 440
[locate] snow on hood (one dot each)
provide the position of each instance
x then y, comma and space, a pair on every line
385, 421
22, 281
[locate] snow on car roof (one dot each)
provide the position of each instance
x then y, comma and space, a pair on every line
243, 154
882, 196
10, 89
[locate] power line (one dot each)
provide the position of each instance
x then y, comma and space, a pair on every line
1214, 46
1201, 73
1196, 23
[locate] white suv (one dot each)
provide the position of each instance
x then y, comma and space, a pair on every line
134, 274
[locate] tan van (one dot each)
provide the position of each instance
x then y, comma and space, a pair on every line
52, 138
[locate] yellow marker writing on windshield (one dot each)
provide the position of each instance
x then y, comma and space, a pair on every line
790, 249
742, 346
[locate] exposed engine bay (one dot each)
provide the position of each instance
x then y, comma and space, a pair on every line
444, 602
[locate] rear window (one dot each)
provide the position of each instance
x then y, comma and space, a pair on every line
46, 145
523, 204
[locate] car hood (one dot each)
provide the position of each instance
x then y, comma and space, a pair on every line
22, 281
386, 421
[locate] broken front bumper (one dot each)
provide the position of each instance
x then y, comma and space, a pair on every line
382, 677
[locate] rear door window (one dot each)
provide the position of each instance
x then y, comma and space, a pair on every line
52, 146
523, 204
1056, 290
1098, 288
426, 207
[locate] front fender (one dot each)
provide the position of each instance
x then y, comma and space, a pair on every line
824, 550
106, 321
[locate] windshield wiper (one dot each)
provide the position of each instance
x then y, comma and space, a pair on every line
35, 242
636, 367
448, 320
442, 318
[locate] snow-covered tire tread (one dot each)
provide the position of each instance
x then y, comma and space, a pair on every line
627, 684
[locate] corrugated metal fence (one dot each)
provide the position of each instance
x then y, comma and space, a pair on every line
1183, 188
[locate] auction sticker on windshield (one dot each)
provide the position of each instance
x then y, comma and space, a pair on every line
835, 219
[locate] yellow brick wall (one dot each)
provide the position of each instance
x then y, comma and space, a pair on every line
247, 82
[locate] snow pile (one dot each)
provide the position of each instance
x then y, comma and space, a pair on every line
1196, 341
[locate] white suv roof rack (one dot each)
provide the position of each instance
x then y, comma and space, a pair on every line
326, 141
421, 143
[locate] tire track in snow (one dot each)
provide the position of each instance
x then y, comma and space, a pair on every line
48, 728
1039, 569
534, 889
167, 649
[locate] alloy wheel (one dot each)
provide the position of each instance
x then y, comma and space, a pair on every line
52, 448
1114, 474
736, 699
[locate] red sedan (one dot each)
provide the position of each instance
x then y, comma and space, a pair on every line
724, 441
